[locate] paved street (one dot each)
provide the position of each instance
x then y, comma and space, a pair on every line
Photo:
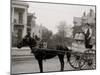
31, 65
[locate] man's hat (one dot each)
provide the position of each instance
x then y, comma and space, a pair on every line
87, 24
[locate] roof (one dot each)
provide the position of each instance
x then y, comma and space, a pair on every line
16, 2
32, 14
29, 14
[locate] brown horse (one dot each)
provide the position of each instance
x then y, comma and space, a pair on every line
41, 55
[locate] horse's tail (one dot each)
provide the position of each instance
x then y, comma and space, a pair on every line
68, 54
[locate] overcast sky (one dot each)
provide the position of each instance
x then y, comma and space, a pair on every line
49, 15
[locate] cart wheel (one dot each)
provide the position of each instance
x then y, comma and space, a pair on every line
89, 54
89, 64
90, 59
76, 61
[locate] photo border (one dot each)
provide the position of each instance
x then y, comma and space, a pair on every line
49, 3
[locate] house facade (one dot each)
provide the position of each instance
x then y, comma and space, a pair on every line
19, 12
31, 23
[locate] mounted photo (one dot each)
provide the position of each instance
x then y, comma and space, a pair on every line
52, 37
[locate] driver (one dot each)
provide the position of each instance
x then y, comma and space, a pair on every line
88, 34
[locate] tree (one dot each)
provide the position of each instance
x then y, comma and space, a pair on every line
64, 33
46, 34
61, 32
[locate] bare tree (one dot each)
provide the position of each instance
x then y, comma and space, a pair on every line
64, 33
46, 34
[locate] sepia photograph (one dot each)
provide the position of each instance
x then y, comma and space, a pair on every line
52, 37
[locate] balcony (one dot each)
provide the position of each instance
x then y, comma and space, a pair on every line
16, 22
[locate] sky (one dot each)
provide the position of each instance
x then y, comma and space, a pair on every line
49, 15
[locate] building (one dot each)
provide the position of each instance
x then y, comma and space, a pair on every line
31, 23
77, 29
19, 12
91, 19
77, 21
79, 26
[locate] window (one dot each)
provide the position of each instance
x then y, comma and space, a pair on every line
28, 30
15, 21
20, 17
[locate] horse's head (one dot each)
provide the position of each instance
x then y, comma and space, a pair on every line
24, 42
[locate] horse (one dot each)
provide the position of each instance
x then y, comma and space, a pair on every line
41, 55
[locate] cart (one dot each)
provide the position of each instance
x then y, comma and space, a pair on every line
83, 59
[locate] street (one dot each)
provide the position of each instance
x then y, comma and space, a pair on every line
31, 65
23, 61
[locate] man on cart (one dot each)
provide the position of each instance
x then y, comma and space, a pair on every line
88, 34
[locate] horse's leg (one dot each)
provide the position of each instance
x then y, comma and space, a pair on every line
68, 54
40, 62
61, 58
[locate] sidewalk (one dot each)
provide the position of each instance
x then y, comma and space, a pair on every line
21, 48
22, 51
21, 54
